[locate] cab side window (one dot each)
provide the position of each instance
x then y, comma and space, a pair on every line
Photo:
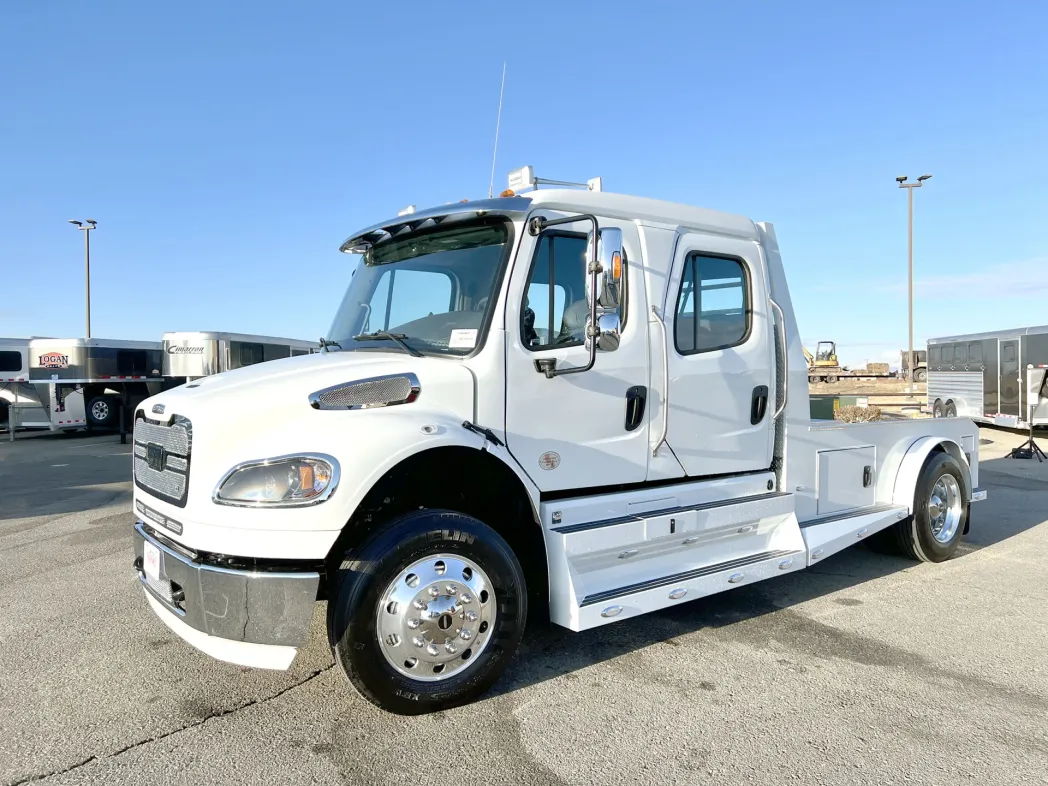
555, 308
713, 305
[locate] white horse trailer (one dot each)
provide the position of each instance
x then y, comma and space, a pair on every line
15, 388
189, 355
984, 376
82, 382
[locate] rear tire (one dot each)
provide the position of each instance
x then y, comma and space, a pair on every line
937, 410
920, 375
102, 411
381, 585
951, 409
812, 380
832, 379
940, 505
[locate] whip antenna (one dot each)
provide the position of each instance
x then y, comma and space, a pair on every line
498, 122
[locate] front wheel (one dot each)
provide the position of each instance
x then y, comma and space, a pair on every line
102, 411
940, 512
428, 612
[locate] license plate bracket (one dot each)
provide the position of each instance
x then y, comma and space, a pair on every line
151, 560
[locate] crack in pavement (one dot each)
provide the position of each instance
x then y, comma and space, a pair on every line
196, 724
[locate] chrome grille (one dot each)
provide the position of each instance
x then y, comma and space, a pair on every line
174, 441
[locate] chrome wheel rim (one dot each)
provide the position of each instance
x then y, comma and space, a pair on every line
436, 617
944, 508
100, 410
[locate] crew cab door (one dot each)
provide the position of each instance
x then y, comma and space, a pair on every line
721, 357
577, 430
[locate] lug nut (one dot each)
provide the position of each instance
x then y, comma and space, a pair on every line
451, 589
433, 592
414, 623
466, 597
450, 648
471, 616
432, 649
418, 604
419, 642
465, 635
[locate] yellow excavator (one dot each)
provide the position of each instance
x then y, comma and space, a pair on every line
823, 365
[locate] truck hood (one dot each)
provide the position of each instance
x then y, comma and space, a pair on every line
280, 389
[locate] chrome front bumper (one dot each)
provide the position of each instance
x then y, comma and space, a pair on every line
254, 606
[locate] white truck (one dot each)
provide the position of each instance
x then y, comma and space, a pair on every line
564, 402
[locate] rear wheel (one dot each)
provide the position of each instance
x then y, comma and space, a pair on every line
832, 379
951, 409
102, 411
427, 613
940, 512
920, 375
812, 380
938, 410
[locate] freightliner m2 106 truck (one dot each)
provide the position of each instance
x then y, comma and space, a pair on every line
558, 402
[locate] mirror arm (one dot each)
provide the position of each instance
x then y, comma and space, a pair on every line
535, 227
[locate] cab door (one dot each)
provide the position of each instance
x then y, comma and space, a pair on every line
586, 429
721, 357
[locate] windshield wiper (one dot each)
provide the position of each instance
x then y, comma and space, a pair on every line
324, 344
385, 334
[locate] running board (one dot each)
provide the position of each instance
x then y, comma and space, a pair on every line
837, 533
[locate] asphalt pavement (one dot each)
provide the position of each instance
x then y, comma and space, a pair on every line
868, 669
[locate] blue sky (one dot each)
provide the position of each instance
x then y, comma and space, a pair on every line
227, 152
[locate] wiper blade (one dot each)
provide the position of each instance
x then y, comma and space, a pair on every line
385, 334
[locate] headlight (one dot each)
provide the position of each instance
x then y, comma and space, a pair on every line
285, 481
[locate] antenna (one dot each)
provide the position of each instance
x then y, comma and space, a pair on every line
498, 122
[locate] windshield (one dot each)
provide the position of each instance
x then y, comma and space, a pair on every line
433, 291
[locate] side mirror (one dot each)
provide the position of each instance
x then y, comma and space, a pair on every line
609, 255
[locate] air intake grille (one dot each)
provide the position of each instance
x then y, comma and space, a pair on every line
366, 393
161, 461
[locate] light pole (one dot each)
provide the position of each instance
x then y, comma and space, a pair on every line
909, 188
91, 223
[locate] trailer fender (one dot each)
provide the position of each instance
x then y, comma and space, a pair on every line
913, 461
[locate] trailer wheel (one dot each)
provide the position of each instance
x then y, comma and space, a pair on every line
832, 379
940, 505
102, 411
951, 409
937, 409
920, 375
812, 380
427, 613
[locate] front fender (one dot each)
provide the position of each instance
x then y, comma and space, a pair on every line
910, 468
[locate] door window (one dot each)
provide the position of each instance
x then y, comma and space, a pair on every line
555, 308
713, 305
1007, 353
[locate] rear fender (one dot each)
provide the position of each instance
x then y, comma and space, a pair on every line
914, 460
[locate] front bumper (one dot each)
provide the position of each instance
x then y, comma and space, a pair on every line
252, 607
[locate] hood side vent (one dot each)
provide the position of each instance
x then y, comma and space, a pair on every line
385, 391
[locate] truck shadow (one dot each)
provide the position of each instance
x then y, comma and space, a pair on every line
1015, 504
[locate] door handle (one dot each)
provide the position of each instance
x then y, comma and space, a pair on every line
759, 404
636, 398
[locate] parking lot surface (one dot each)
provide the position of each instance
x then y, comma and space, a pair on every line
868, 669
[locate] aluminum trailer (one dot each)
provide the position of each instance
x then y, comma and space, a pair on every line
984, 376
191, 355
81, 382
15, 388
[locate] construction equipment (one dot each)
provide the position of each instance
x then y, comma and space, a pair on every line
823, 366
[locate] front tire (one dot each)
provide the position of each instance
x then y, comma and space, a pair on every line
427, 613
940, 512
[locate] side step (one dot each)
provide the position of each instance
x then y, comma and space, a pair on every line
630, 601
